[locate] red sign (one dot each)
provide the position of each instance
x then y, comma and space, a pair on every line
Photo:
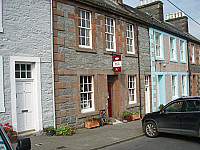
117, 64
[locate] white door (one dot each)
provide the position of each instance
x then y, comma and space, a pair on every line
25, 106
147, 95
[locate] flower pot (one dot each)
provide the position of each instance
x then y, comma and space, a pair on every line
135, 116
91, 124
13, 138
128, 118
50, 133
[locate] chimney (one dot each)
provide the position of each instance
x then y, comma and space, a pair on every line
153, 7
179, 20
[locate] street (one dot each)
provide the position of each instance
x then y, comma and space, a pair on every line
163, 142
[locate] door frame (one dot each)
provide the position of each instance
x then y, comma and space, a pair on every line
147, 103
36, 89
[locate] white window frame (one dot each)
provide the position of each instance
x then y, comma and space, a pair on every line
132, 89
158, 45
1, 15
85, 28
174, 86
172, 46
182, 52
87, 92
184, 85
130, 39
110, 34
2, 104
192, 53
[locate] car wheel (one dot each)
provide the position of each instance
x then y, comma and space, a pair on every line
151, 129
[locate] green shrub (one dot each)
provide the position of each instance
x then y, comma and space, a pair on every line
126, 113
136, 112
64, 130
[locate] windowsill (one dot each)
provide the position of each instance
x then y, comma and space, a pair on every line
87, 50
92, 113
110, 53
183, 62
159, 58
193, 63
131, 55
173, 60
133, 105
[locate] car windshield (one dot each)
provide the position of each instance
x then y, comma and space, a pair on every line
174, 107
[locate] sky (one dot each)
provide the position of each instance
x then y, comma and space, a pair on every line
190, 7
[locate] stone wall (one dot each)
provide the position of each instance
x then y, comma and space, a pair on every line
26, 33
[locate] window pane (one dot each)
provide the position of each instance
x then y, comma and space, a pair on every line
23, 75
17, 67
175, 107
17, 74
28, 74
22, 67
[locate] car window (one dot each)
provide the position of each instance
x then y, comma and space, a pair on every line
192, 106
2, 144
174, 107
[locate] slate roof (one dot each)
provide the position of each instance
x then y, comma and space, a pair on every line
135, 14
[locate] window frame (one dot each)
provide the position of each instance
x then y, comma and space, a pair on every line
86, 110
161, 56
193, 53
109, 33
184, 86
2, 101
134, 88
173, 51
1, 16
182, 57
174, 91
80, 27
128, 38
26, 71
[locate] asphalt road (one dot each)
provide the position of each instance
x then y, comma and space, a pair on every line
163, 142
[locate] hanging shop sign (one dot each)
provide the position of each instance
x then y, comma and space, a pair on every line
117, 63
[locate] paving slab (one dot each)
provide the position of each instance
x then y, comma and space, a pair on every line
85, 139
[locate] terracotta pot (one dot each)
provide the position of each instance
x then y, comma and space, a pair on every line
13, 138
91, 124
135, 116
128, 118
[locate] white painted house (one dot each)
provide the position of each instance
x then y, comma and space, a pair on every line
26, 78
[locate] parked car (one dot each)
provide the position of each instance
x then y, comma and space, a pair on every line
5, 144
181, 116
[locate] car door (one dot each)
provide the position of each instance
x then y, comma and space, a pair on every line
169, 120
190, 119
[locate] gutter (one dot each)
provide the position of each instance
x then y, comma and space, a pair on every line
53, 93
139, 70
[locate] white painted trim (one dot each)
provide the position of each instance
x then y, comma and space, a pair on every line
52, 61
1, 15
36, 86
2, 105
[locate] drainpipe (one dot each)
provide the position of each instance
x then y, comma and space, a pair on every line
139, 69
53, 94
189, 67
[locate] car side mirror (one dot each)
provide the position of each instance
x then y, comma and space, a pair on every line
23, 144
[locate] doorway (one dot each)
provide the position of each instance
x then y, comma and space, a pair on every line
161, 96
147, 94
111, 82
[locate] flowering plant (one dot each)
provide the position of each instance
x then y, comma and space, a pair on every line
8, 129
92, 118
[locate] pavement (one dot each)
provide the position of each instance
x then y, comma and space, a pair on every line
85, 139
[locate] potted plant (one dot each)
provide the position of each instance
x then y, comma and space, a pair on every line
136, 115
12, 135
49, 131
64, 130
92, 121
127, 115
